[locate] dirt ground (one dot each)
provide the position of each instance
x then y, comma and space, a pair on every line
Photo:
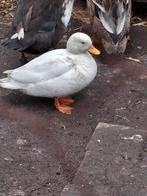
40, 148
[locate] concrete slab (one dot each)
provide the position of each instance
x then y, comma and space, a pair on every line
115, 164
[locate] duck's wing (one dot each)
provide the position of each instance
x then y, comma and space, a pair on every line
33, 17
43, 68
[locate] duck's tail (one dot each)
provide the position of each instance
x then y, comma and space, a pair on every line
9, 84
14, 44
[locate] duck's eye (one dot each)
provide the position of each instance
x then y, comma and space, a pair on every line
82, 42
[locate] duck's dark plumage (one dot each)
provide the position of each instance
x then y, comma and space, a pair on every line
39, 23
111, 22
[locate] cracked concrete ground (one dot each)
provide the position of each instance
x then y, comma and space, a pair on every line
118, 169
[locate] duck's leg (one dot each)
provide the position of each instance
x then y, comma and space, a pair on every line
63, 104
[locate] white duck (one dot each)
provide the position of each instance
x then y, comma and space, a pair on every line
58, 73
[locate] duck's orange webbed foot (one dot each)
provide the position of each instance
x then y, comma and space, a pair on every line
63, 104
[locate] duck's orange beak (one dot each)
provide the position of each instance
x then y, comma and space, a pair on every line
94, 50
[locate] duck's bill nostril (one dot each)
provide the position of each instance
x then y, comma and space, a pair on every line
94, 50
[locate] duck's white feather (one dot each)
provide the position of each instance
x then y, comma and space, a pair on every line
121, 18
100, 6
107, 22
47, 66
55, 73
68, 4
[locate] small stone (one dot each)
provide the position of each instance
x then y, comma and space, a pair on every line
8, 159
139, 47
143, 166
21, 142
17, 193
135, 138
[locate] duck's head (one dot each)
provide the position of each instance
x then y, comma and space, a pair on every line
111, 21
80, 43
